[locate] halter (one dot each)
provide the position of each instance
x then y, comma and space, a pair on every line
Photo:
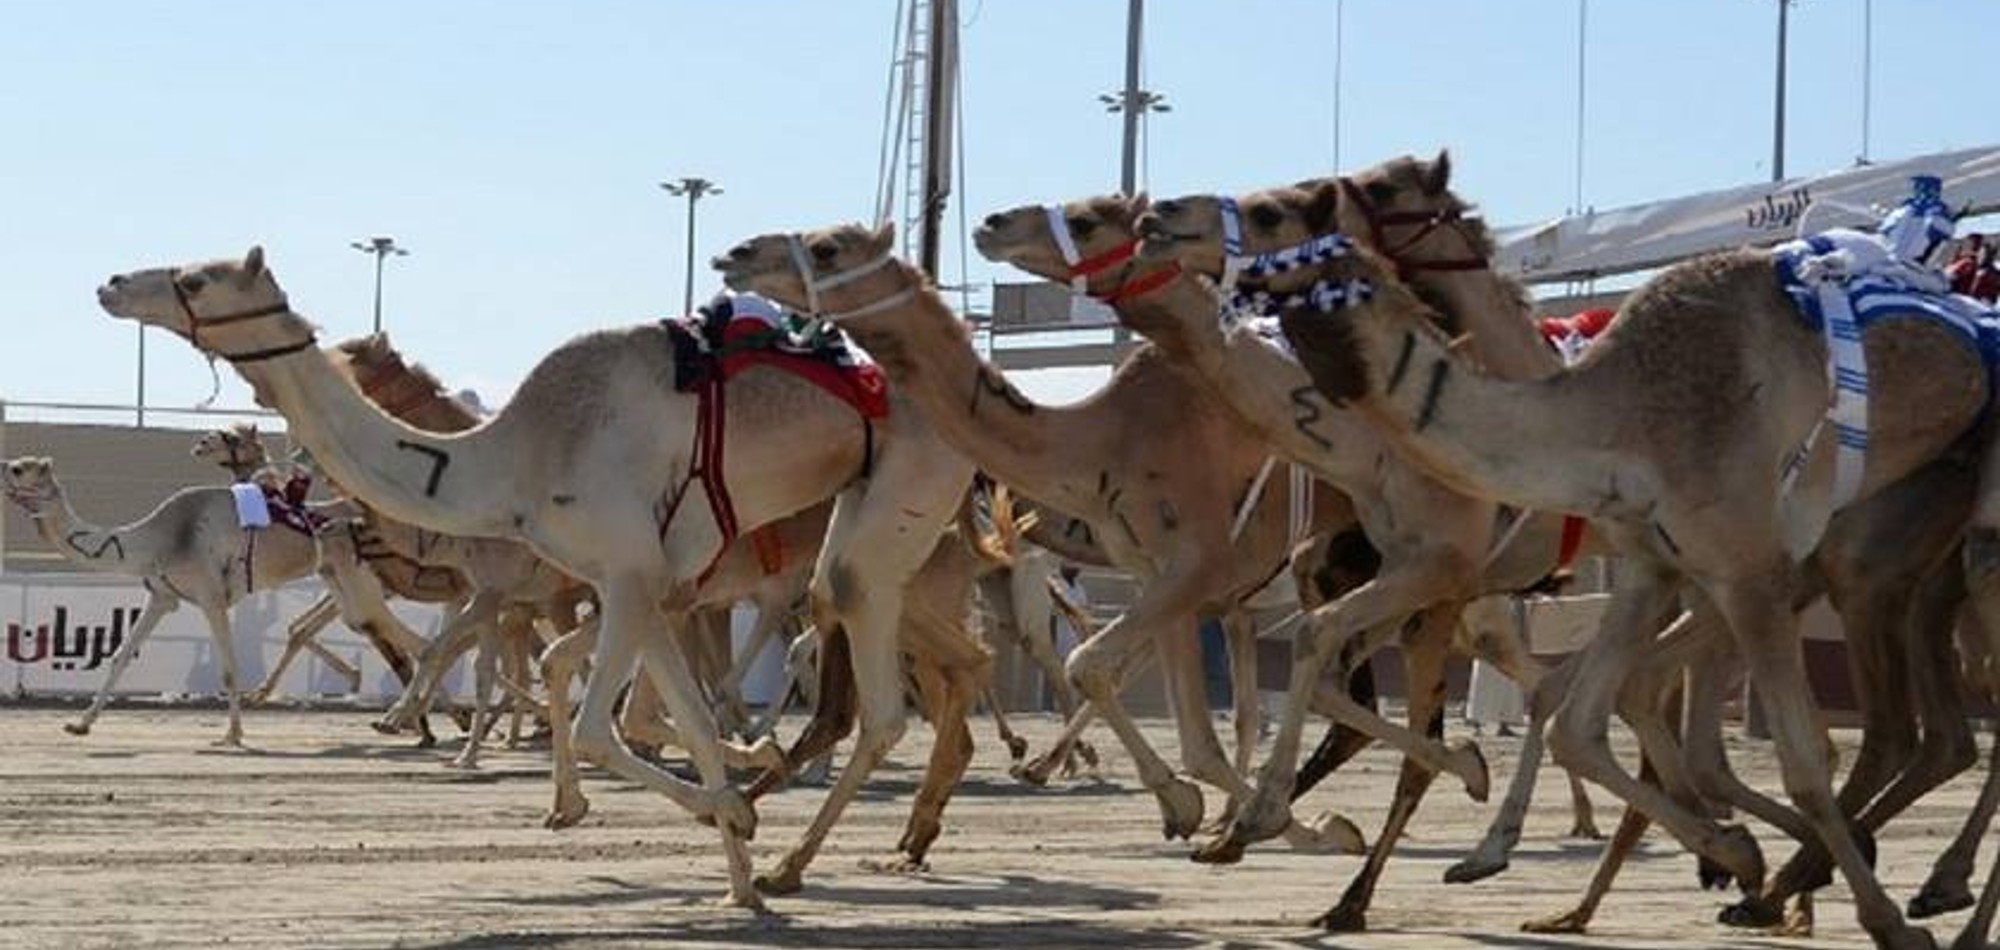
196, 321
1426, 222
1081, 268
815, 284
1326, 296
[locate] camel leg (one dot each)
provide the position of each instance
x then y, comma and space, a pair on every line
518, 703
1246, 712
1017, 747
1624, 839
299, 636
1766, 631
1425, 652
1491, 855
560, 663
628, 636
158, 605
770, 619
834, 707
947, 693
1948, 887
460, 632
1377, 607
225, 650
483, 669
1341, 742
1578, 735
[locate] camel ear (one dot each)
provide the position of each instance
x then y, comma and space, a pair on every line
1438, 176
884, 237
1322, 204
253, 262
1137, 205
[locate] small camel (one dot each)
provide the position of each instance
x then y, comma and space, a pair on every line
189, 549
587, 463
1676, 443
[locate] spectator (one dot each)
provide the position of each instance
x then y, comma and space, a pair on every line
1967, 263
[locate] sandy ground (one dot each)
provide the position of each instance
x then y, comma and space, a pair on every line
327, 835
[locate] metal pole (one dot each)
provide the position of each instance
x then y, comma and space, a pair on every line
1778, 125
1339, 35
1128, 176
1867, 74
937, 128
380, 253
687, 293
141, 400
1582, 78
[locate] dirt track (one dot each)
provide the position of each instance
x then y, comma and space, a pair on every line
330, 836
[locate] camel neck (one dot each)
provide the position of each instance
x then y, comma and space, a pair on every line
452, 483
927, 353
83, 544
1495, 313
1512, 441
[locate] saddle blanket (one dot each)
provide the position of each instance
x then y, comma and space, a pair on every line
734, 332
1878, 286
260, 505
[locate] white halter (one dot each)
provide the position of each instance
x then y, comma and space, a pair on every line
1232, 244
814, 284
1079, 283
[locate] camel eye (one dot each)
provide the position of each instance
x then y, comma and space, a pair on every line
191, 284
1380, 192
825, 251
1266, 217
1080, 226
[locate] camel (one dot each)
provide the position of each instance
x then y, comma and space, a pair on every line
1691, 486
190, 549
1871, 604
1120, 461
585, 463
1435, 543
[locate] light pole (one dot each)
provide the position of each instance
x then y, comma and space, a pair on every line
1778, 117
1133, 101
381, 247
694, 189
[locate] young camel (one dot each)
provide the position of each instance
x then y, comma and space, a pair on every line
1675, 441
584, 463
189, 549
1120, 461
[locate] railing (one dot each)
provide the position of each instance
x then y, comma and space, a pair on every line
98, 410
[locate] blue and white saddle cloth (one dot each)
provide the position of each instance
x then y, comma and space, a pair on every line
1842, 281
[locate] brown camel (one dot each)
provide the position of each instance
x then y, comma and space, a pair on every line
1121, 460
583, 464
1690, 486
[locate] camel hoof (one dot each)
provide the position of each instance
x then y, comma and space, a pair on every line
1333, 832
1573, 922
898, 864
426, 741
257, 697
1940, 898
1472, 870
462, 764
1037, 771
1261, 819
1471, 767
1088, 752
1343, 919
1222, 849
1749, 863
780, 883
385, 726
1585, 831
232, 741
77, 728
566, 813
1752, 912
1017, 748
1713, 876
1180, 808
749, 900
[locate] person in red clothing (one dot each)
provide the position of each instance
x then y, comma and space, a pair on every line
1971, 258
1986, 278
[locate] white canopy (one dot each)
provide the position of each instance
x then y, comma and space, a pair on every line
1659, 233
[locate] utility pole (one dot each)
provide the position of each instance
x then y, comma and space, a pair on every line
694, 189
381, 247
1778, 123
941, 66
1133, 101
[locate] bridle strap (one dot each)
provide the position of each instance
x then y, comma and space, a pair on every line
1066, 245
197, 321
814, 284
1232, 242
1133, 289
1426, 223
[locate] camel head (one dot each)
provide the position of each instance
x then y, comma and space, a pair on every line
235, 447
1334, 337
832, 272
1084, 242
31, 483
1403, 206
217, 305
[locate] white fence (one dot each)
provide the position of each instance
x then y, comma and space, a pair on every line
62, 630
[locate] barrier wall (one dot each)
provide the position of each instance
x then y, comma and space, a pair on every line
62, 630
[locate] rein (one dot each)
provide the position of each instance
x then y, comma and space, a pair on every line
196, 322
1426, 223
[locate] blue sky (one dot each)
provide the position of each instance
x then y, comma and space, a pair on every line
514, 146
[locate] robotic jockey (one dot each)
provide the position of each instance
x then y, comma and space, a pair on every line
1917, 231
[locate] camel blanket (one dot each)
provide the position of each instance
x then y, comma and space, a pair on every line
260, 505
734, 332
